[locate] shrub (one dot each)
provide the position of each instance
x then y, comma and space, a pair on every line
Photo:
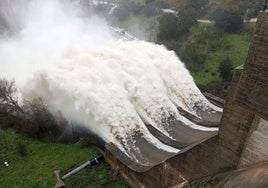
174, 27
39, 116
225, 69
200, 6
193, 57
31, 118
249, 8
228, 20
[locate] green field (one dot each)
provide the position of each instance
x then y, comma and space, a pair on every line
215, 49
32, 163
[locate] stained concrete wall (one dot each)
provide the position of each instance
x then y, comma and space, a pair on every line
252, 93
256, 148
252, 90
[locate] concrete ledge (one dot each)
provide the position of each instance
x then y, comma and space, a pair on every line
198, 120
123, 158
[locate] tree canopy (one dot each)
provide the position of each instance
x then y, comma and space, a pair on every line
173, 27
228, 20
225, 69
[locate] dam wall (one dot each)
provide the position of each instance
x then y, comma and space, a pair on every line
252, 90
242, 138
256, 147
252, 93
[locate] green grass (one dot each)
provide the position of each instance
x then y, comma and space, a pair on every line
36, 168
239, 47
235, 47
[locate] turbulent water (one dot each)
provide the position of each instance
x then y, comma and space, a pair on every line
110, 86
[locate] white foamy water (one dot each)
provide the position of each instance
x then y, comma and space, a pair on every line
179, 83
81, 70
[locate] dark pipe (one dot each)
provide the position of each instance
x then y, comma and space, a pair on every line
92, 162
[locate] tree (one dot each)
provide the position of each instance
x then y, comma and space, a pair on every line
225, 69
228, 20
168, 27
248, 8
173, 27
37, 113
33, 118
8, 97
200, 6
151, 9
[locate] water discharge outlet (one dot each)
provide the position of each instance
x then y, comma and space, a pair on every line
95, 161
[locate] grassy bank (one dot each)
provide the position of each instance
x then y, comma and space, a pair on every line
204, 49
32, 163
237, 52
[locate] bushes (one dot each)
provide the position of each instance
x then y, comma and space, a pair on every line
174, 27
228, 20
38, 115
193, 57
31, 118
195, 51
249, 8
225, 69
200, 6
168, 27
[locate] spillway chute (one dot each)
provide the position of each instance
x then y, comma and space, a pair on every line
121, 102
134, 94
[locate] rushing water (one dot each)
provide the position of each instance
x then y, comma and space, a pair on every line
82, 70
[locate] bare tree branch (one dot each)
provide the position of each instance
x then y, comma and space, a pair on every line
8, 97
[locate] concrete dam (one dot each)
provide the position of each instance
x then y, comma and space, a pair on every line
145, 155
133, 94
236, 155
159, 130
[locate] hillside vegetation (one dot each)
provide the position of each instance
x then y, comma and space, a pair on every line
203, 47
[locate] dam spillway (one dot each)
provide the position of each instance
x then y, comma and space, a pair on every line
127, 102
137, 96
